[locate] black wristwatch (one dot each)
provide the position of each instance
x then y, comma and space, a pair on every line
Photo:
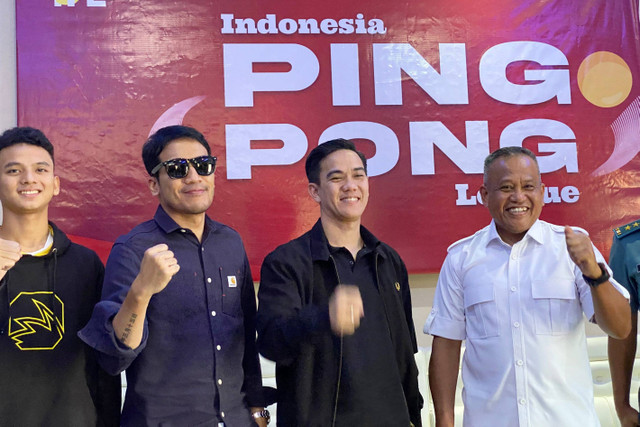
603, 277
262, 414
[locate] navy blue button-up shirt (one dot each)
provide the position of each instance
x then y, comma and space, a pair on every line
197, 363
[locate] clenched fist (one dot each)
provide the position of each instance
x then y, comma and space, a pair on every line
9, 255
345, 309
581, 252
157, 268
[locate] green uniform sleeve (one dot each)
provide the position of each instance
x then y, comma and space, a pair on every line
624, 260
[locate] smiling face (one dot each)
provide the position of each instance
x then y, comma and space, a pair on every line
190, 196
514, 195
343, 191
27, 182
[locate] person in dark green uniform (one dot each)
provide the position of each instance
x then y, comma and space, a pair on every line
624, 260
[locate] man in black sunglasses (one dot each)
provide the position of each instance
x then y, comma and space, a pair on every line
178, 309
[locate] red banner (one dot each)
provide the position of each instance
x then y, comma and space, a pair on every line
426, 89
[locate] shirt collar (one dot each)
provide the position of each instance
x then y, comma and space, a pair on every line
46, 249
168, 225
535, 233
320, 244
164, 221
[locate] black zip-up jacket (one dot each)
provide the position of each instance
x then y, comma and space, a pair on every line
293, 325
49, 377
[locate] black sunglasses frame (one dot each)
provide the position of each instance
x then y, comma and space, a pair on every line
200, 164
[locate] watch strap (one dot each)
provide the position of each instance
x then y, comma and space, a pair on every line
262, 414
599, 280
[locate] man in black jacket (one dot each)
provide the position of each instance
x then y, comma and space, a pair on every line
48, 287
335, 310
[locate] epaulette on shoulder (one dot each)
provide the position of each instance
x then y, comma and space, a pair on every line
560, 229
627, 229
464, 239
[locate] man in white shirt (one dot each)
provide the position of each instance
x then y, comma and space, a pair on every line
516, 291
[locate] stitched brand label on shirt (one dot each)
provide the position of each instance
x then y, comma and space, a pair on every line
231, 280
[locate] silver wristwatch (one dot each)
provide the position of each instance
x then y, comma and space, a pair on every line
262, 414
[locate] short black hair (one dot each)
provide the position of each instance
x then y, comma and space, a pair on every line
508, 152
312, 165
26, 135
162, 137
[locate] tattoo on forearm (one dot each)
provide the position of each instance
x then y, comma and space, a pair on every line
127, 330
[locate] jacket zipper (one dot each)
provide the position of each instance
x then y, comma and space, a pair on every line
335, 406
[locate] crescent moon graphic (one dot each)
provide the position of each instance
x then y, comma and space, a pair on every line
626, 129
175, 114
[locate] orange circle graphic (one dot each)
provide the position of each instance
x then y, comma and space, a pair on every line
604, 79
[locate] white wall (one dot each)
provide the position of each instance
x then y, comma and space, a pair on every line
8, 80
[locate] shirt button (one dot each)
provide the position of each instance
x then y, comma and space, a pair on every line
219, 382
182, 230
516, 324
202, 249
213, 313
514, 256
222, 414
208, 279
519, 363
218, 347
513, 289
522, 401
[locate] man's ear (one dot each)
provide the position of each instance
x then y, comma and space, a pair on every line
56, 185
314, 189
483, 195
154, 185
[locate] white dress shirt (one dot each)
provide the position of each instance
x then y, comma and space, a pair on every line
519, 308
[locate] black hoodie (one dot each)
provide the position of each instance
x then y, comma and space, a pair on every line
48, 376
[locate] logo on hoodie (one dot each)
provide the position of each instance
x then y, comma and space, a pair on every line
37, 320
